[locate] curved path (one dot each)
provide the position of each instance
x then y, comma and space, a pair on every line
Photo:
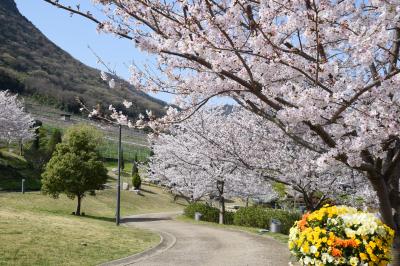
186, 244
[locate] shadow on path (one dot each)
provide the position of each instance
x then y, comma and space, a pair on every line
144, 219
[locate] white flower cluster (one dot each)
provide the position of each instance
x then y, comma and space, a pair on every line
366, 224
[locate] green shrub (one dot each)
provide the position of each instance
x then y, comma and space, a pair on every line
229, 217
287, 218
209, 214
252, 217
261, 217
136, 181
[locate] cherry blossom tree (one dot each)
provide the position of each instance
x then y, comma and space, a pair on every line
240, 155
15, 124
192, 160
324, 72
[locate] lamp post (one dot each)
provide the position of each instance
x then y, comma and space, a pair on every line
117, 220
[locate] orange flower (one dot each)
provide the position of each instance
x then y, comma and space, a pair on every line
345, 243
303, 222
338, 242
352, 243
336, 252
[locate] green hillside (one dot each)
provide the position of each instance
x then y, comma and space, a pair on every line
33, 66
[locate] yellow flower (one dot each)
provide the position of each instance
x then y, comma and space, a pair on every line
369, 251
378, 243
363, 256
373, 257
305, 248
372, 244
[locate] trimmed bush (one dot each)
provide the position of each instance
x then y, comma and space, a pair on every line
229, 217
246, 216
252, 217
136, 181
261, 217
209, 214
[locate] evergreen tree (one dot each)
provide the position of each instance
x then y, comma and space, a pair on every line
76, 166
136, 180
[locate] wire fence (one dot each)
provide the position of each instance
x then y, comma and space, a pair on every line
109, 151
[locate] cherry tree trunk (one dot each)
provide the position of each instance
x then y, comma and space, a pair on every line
220, 188
78, 207
389, 211
221, 209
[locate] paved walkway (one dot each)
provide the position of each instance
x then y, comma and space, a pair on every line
186, 244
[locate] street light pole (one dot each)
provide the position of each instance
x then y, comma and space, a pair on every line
117, 220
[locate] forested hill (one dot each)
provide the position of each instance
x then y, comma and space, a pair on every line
32, 65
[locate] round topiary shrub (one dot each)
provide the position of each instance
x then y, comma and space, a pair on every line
340, 235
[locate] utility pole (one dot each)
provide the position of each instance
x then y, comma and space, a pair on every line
117, 220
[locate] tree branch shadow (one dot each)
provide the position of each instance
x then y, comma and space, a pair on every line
147, 191
144, 219
101, 218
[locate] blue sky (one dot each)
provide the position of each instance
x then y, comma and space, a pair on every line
74, 35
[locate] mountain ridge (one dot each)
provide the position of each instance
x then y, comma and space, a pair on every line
10, 5
32, 65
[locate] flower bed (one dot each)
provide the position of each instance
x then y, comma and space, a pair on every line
340, 235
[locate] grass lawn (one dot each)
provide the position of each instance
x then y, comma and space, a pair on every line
280, 237
38, 230
126, 173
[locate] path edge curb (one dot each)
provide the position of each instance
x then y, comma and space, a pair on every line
158, 249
